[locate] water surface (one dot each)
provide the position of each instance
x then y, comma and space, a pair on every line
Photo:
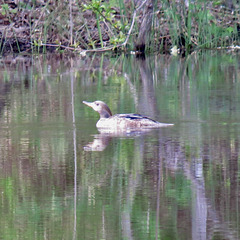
60, 178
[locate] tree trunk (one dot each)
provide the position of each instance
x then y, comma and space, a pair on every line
145, 26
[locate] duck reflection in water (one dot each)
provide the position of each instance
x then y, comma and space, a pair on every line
102, 140
121, 122
99, 143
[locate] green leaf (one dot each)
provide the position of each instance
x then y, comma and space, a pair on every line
230, 29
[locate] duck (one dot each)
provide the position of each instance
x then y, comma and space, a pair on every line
122, 121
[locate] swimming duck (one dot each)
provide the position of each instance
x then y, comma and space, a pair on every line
121, 121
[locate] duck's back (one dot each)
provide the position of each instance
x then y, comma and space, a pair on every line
130, 120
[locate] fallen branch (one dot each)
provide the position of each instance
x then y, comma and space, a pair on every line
230, 47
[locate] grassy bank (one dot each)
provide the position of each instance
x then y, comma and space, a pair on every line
94, 25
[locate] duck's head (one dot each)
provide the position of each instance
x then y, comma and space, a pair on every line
100, 107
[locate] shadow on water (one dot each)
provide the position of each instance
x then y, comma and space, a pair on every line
62, 179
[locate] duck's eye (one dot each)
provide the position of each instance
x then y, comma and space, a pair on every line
97, 104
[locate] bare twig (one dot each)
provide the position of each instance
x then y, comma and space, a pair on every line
71, 22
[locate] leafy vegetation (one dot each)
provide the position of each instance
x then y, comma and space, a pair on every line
106, 25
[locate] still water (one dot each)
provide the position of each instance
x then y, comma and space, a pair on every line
61, 179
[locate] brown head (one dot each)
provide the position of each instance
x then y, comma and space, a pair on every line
100, 107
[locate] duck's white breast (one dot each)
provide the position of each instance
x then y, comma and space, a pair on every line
112, 123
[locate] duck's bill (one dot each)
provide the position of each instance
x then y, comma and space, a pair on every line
88, 103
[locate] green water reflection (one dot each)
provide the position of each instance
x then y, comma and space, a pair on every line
62, 179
